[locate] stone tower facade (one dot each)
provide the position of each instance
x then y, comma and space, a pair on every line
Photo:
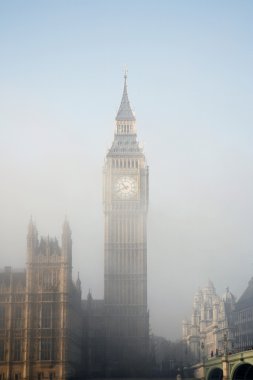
210, 330
125, 273
40, 313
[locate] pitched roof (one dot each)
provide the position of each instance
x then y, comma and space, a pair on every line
246, 299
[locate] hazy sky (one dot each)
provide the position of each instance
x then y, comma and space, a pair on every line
190, 82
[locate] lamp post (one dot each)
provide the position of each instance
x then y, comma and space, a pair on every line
225, 343
225, 358
202, 346
203, 352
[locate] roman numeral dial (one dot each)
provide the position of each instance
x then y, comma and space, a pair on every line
125, 187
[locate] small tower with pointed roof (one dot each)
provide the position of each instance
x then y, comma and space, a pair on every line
32, 239
52, 300
78, 284
67, 241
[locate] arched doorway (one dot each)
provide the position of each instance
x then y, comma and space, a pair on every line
243, 372
215, 374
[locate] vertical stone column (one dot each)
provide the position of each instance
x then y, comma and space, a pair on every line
225, 368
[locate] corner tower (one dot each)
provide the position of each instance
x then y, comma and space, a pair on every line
125, 272
52, 323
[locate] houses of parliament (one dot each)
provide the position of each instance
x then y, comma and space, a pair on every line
47, 331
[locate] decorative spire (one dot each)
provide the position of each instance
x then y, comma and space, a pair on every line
89, 297
66, 228
32, 239
66, 240
125, 112
78, 283
32, 230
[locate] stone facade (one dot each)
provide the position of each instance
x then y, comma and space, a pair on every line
94, 338
219, 324
125, 273
210, 330
46, 330
40, 313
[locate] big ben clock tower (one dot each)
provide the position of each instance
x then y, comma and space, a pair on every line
125, 272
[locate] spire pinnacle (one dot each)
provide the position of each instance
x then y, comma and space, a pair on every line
31, 226
125, 75
78, 283
125, 112
65, 227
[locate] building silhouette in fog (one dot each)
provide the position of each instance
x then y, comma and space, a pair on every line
125, 245
46, 330
40, 313
243, 320
117, 328
219, 323
211, 320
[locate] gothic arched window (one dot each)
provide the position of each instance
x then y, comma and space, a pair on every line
46, 315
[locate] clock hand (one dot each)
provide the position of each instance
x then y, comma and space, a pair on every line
125, 186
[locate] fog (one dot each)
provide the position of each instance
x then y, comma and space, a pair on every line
190, 82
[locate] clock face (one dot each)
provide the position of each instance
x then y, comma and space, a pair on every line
125, 187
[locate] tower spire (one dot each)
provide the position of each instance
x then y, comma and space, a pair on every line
125, 75
125, 112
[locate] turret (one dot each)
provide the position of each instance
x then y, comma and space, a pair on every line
186, 327
66, 241
32, 240
229, 300
216, 310
89, 300
78, 284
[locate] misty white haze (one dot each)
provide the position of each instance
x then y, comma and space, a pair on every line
190, 83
